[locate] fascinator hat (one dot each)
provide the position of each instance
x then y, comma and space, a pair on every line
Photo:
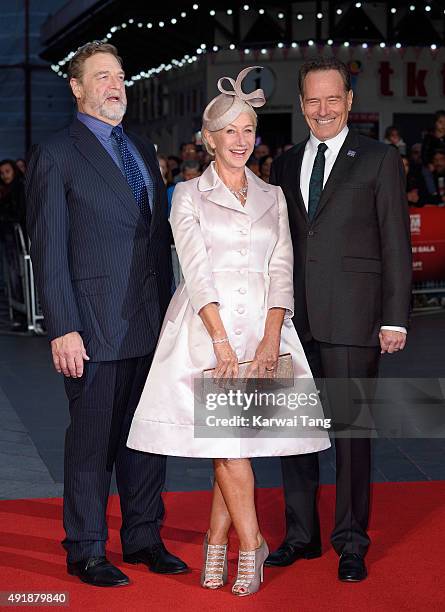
230, 103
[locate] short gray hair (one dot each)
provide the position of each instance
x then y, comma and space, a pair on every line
75, 67
324, 63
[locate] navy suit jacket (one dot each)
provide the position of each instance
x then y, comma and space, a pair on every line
99, 268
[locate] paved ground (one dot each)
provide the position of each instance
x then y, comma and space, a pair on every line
34, 415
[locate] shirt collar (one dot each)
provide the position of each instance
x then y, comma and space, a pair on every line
100, 128
333, 144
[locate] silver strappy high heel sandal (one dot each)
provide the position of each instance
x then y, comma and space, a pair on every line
214, 571
250, 570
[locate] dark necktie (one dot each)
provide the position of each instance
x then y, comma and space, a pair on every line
316, 181
133, 174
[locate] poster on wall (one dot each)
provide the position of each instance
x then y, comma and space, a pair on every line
366, 124
428, 243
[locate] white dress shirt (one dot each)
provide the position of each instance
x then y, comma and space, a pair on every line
334, 145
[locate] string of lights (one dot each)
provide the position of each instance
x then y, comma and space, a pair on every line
193, 57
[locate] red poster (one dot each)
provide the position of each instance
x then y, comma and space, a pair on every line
365, 123
428, 243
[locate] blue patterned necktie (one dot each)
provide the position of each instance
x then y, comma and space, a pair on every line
133, 174
316, 181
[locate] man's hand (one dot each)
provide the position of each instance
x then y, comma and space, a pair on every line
391, 341
68, 354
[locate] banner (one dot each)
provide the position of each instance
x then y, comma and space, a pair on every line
428, 243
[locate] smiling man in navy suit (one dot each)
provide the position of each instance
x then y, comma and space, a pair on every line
348, 218
97, 220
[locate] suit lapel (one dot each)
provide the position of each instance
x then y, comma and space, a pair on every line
89, 146
220, 195
259, 197
341, 169
296, 176
156, 177
216, 191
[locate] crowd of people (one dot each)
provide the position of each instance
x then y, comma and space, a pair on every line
424, 163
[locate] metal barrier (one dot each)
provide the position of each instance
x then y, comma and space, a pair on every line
22, 293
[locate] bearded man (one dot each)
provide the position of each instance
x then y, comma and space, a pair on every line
97, 220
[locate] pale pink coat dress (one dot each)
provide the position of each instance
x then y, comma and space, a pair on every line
241, 258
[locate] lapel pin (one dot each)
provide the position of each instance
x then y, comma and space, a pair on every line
351, 153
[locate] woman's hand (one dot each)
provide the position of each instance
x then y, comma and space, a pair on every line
226, 359
226, 362
264, 364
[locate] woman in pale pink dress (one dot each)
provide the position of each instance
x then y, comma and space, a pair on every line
236, 304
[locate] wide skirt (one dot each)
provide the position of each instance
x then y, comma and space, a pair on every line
164, 419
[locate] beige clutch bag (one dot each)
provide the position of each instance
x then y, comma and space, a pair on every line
285, 368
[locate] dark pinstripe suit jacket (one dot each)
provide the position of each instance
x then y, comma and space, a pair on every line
99, 268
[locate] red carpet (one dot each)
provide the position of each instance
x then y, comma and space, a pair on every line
406, 560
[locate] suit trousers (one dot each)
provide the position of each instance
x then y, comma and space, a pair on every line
353, 459
102, 404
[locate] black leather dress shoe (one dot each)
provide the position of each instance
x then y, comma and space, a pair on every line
98, 571
287, 554
158, 560
351, 568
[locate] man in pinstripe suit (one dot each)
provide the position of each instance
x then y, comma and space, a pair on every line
97, 219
